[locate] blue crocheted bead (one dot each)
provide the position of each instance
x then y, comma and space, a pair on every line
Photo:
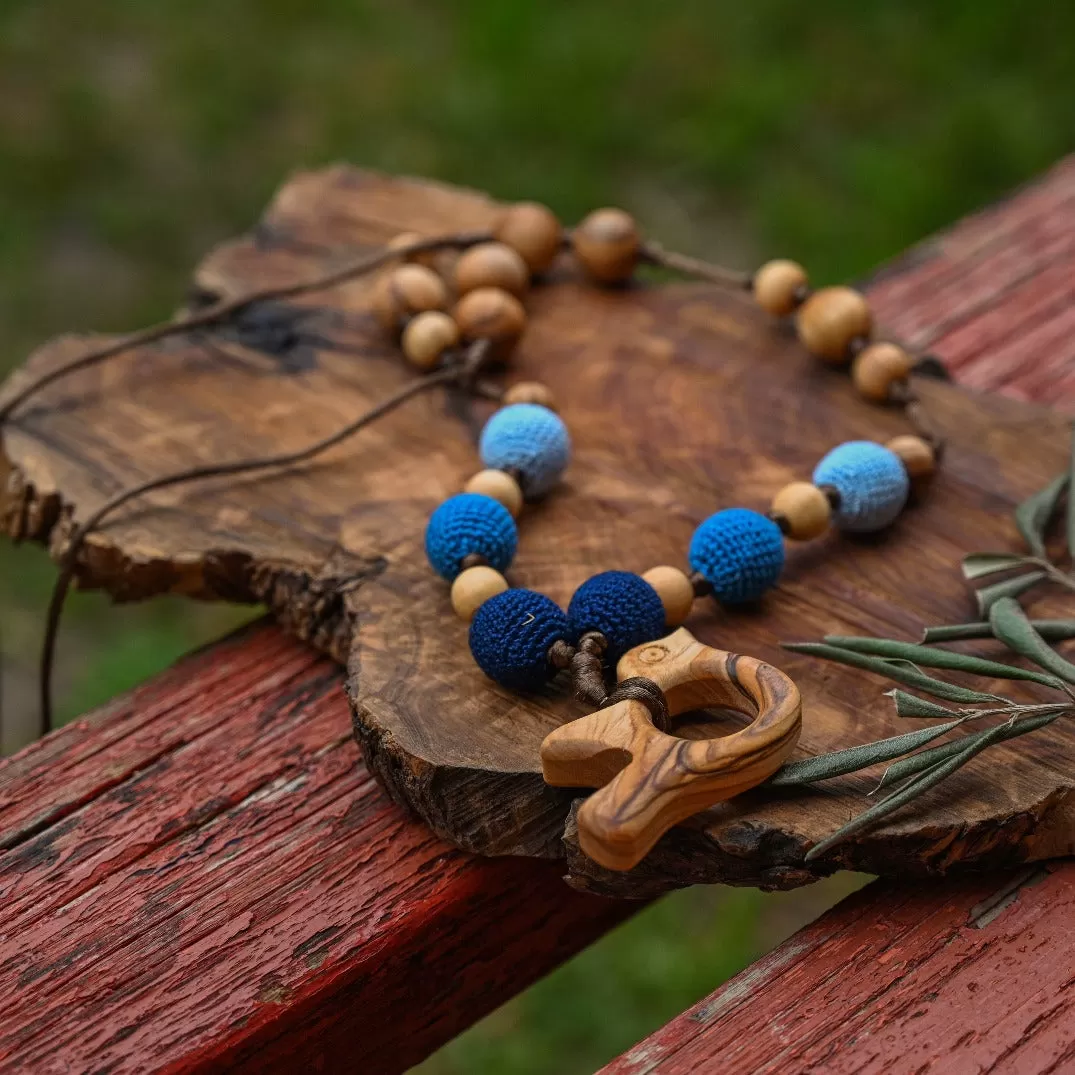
740, 553
530, 439
623, 607
510, 637
470, 523
872, 483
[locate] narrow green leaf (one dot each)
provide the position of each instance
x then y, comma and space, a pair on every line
1035, 513
910, 791
987, 595
938, 658
1071, 499
925, 758
910, 705
1011, 626
901, 672
841, 762
1050, 630
980, 564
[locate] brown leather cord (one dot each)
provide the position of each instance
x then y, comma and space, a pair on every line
588, 668
641, 689
655, 254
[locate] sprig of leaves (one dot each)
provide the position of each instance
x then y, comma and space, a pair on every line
998, 578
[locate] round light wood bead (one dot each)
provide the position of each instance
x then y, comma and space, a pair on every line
427, 337
805, 508
501, 486
491, 265
405, 291
533, 231
830, 319
530, 392
878, 368
916, 454
473, 587
607, 245
675, 591
409, 238
490, 313
779, 286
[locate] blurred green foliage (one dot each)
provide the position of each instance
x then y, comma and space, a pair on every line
134, 134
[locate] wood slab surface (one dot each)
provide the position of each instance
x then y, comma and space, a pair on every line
681, 399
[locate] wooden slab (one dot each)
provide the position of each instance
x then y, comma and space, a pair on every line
681, 400
202, 876
967, 976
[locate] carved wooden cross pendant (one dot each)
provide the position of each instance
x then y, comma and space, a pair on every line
648, 780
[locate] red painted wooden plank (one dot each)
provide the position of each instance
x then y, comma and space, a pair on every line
215, 873
972, 976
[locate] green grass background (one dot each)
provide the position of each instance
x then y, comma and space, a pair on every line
135, 133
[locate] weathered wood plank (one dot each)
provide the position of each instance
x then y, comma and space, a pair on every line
967, 976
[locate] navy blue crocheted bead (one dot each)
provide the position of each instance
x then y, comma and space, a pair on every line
872, 483
470, 523
622, 606
530, 439
510, 637
740, 553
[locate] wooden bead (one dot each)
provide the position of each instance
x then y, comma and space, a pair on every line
606, 245
491, 265
409, 238
501, 486
917, 456
830, 319
491, 314
779, 286
878, 368
675, 591
473, 587
530, 392
805, 508
533, 231
427, 337
407, 290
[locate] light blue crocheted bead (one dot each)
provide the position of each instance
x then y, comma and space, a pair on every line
530, 439
740, 553
466, 524
872, 483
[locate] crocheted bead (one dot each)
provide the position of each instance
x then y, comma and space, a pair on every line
510, 637
625, 608
740, 553
466, 524
529, 439
872, 483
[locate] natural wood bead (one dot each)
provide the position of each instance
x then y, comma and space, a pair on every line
805, 508
779, 285
917, 455
830, 319
501, 486
491, 265
675, 591
427, 337
530, 392
878, 368
473, 587
407, 290
491, 314
409, 238
533, 231
606, 245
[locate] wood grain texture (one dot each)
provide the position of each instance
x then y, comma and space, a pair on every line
335, 548
206, 874
961, 977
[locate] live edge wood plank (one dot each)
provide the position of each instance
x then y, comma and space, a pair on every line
968, 976
203, 875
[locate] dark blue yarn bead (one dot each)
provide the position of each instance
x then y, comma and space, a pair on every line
466, 524
740, 553
510, 637
622, 606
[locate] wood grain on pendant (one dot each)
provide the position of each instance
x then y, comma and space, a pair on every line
649, 780
335, 548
